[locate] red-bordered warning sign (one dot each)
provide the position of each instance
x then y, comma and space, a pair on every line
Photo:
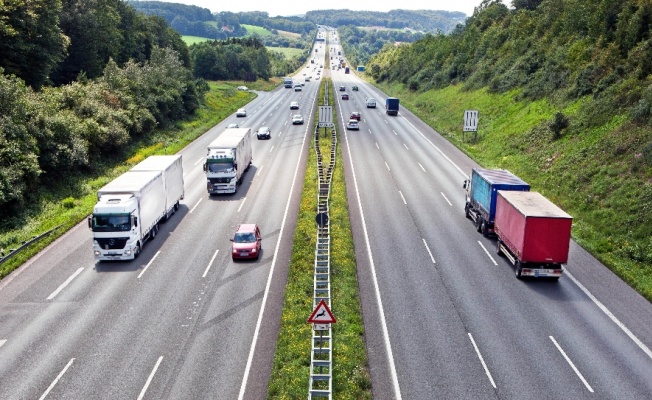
322, 315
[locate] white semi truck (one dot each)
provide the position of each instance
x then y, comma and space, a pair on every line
130, 208
227, 159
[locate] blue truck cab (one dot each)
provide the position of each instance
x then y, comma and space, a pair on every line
482, 191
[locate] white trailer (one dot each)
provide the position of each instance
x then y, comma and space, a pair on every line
227, 159
172, 169
130, 208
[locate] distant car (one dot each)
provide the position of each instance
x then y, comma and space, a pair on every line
264, 133
317, 77
371, 103
233, 126
342, 88
297, 87
243, 88
353, 125
241, 112
354, 88
355, 115
246, 242
345, 96
297, 119
294, 105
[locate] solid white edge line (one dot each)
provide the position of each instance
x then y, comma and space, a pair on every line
66, 283
387, 165
484, 365
424, 170
149, 379
568, 360
210, 263
446, 198
615, 320
193, 209
57, 379
242, 204
381, 311
488, 255
148, 264
428, 250
407, 148
198, 161
250, 358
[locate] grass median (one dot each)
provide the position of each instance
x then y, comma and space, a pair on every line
291, 370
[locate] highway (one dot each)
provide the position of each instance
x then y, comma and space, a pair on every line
182, 321
445, 317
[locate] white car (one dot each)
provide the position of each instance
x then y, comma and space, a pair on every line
297, 87
241, 112
297, 119
233, 126
243, 88
294, 105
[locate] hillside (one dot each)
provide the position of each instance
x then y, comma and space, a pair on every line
565, 102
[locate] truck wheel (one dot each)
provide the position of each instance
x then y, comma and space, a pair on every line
153, 232
467, 206
518, 269
499, 251
137, 251
484, 229
176, 206
478, 225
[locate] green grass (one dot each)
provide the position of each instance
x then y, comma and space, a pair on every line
193, 39
65, 209
291, 370
598, 174
288, 52
258, 30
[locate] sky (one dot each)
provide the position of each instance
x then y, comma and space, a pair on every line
275, 7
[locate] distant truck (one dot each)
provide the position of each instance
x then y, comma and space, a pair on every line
130, 208
227, 159
346, 70
287, 82
482, 191
391, 106
533, 233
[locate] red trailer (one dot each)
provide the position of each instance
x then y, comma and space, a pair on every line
533, 233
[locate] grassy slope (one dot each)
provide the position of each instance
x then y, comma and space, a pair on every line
594, 173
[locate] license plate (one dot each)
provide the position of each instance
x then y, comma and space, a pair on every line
244, 254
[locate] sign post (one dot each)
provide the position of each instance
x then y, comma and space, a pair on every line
470, 123
326, 117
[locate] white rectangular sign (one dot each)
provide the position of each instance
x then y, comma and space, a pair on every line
325, 116
471, 121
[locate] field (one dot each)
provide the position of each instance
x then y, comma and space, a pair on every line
289, 52
259, 30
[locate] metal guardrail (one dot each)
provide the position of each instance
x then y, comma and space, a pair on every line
13, 252
321, 359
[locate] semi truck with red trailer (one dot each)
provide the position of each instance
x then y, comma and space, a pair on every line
533, 233
482, 191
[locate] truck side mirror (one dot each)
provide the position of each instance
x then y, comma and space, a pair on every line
204, 167
466, 181
135, 221
235, 165
90, 222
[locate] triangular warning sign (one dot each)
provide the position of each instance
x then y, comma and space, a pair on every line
322, 315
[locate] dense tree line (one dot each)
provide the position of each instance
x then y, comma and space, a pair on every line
233, 59
360, 44
79, 80
420, 20
569, 48
290, 24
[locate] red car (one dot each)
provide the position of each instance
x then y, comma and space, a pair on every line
355, 115
246, 242
345, 96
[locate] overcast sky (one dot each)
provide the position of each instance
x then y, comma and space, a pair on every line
275, 7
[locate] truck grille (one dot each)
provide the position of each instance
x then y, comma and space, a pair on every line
219, 180
112, 243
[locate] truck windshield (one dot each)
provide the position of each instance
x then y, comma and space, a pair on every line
220, 167
111, 222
